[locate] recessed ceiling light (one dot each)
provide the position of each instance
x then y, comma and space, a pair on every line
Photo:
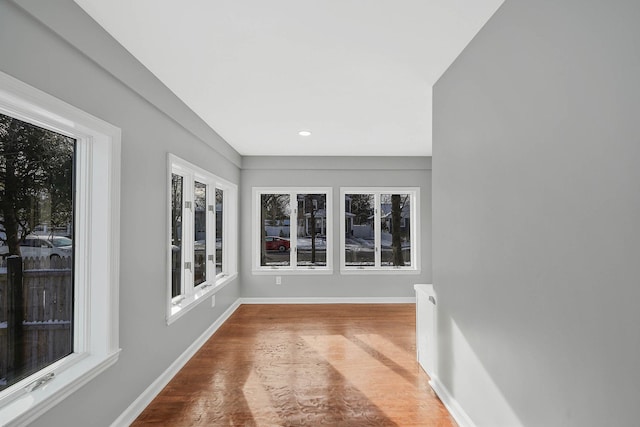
304, 133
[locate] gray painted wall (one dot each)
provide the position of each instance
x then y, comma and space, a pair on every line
536, 202
33, 53
333, 172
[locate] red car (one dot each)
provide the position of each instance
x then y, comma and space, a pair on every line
275, 243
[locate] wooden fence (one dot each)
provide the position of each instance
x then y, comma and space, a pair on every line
43, 332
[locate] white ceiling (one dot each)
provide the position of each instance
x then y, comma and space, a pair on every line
356, 73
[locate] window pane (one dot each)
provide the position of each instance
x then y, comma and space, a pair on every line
176, 235
36, 243
275, 219
312, 230
219, 236
200, 229
360, 234
395, 225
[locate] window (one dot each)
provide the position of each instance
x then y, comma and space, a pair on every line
59, 241
379, 230
202, 214
292, 230
36, 183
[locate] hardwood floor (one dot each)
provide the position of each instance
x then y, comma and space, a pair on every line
304, 365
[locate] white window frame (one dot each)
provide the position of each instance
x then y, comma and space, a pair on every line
192, 295
414, 268
97, 251
256, 232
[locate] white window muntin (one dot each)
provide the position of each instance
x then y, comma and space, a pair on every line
190, 294
97, 250
414, 193
293, 193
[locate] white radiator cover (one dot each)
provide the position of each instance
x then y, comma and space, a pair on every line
426, 328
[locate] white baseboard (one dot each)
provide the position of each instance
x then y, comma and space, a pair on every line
138, 405
452, 405
330, 300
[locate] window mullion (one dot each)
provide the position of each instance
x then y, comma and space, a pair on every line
293, 231
225, 238
188, 235
415, 229
210, 238
377, 231
412, 225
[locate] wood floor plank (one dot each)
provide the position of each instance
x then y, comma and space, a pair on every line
304, 365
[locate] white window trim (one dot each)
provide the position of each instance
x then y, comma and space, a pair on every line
415, 230
179, 306
256, 231
97, 249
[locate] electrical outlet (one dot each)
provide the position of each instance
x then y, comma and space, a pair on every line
213, 300
278, 280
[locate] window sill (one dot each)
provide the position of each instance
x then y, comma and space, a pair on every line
202, 292
284, 271
25, 408
374, 270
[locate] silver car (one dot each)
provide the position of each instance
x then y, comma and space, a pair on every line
37, 246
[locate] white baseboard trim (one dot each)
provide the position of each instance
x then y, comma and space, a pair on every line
452, 405
330, 300
138, 405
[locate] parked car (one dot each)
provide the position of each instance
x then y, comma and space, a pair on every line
274, 243
43, 246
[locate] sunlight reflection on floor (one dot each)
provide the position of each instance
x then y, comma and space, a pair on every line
373, 377
258, 399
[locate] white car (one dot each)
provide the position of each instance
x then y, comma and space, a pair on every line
43, 246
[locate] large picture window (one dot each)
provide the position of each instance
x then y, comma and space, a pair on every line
292, 231
36, 248
202, 214
59, 249
379, 229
